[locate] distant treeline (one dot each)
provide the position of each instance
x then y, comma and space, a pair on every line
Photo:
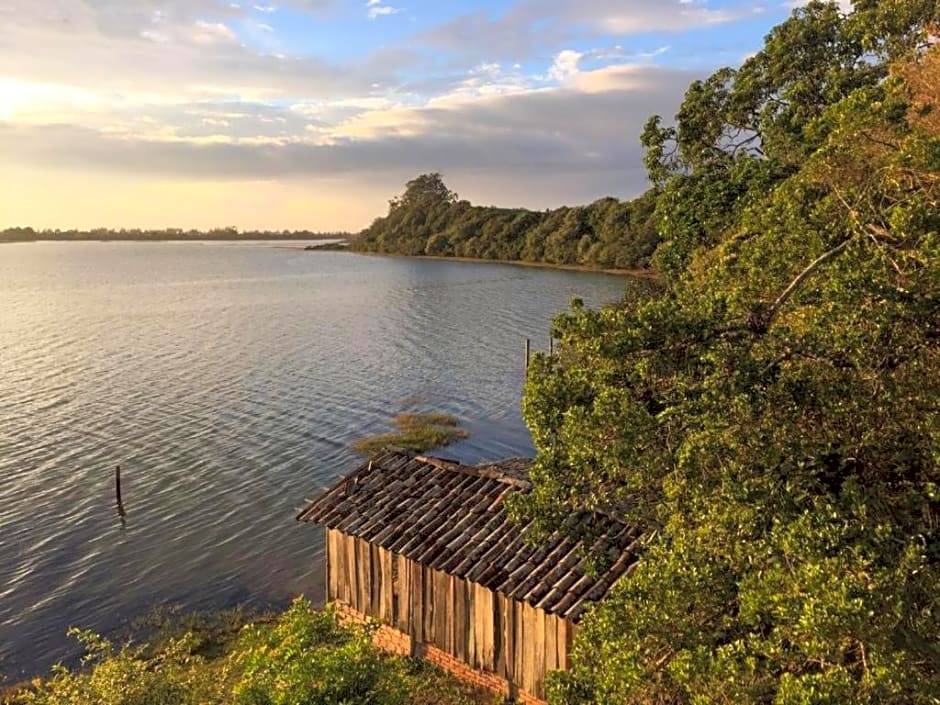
136, 234
429, 219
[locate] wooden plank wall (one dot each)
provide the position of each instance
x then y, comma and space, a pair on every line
481, 628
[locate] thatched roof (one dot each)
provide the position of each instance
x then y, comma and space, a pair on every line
452, 518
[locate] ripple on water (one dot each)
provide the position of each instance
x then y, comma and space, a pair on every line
228, 382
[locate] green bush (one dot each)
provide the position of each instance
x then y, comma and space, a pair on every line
122, 676
307, 658
302, 657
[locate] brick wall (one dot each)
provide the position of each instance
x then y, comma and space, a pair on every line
389, 639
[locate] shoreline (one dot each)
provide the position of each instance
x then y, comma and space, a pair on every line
326, 247
583, 268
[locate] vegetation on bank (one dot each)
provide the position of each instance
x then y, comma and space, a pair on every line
415, 431
770, 418
429, 219
302, 656
137, 234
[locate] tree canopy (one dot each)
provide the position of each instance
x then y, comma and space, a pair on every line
429, 219
769, 417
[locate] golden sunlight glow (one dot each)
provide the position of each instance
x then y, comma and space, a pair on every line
21, 101
60, 199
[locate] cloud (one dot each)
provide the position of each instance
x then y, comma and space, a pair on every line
584, 133
530, 27
844, 5
377, 8
565, 65
534, 105
178, 49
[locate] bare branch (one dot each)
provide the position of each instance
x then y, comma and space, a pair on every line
795, 284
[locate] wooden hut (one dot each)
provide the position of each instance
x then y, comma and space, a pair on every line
424, 546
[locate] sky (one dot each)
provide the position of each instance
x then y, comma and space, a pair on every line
312, 114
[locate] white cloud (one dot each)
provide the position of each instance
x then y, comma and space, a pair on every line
565, 65
377, 8
212, 32
844, 5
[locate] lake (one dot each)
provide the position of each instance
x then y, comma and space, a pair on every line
228, 380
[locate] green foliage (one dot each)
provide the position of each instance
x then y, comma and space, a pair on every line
125, 677
418, 432
770, 418
428, 219
425, 191
308, 658
302, 657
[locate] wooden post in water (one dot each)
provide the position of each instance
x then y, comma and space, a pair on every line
528, 352
117, 491
551, 345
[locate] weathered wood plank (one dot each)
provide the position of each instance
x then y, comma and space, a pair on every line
352, 555
520, 637
386, 611
431, 606
424, 611
363, 576
539, 657
412, 617
375, 581
462, 622
505, 655
442, 611
326, 564
332, 579
380, 582
551, 643
347, 575
339, 566
403, 616
490, 635
528, 653
473, 654
349, 552
566, 637
447, 618
360, 579
341, 570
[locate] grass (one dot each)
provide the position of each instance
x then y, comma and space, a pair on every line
300, 656
415, 431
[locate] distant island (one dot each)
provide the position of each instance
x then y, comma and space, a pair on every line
167, 234
430, 220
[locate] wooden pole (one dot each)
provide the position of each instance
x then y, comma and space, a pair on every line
528, 352
551, 346
117, 490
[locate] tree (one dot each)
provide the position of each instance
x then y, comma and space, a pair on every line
425, 191
770, 418
428, 219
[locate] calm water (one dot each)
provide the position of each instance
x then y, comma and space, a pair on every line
228, 381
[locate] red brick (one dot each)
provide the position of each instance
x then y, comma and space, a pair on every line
390, 639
